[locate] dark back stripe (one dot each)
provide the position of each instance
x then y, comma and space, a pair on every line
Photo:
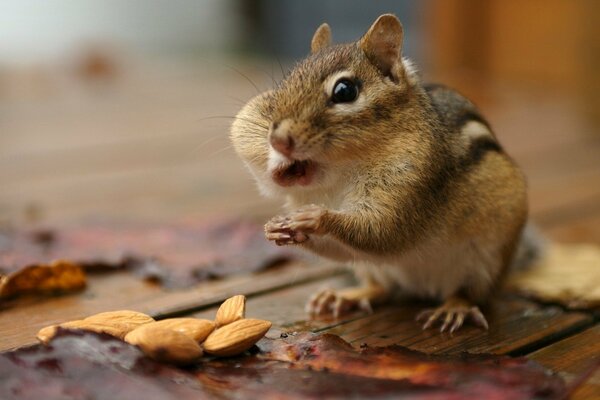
478, 149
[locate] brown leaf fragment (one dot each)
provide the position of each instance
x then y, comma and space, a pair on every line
57, 277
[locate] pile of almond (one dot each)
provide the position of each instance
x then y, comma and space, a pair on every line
176, 340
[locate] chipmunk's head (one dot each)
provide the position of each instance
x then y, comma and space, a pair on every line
334, 108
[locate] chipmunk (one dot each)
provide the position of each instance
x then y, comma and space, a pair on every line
404, 181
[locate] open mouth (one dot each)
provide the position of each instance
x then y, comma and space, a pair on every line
299, 172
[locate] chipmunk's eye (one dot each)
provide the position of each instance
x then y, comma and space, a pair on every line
344, 91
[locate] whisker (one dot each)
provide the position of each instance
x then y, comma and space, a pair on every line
205, 142
272, 75
214, 153
245, 76
234, 117
281, 67
238, 101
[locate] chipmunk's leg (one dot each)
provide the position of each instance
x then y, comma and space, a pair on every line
338, 302
452, 314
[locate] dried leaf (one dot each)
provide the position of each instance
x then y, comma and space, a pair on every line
566, 274
176, 255
57, 277
297, 367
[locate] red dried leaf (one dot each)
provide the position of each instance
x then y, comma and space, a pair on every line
465, 376
88, 365
81, 365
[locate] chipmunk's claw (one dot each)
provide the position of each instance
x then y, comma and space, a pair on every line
452, 315
295, 227
330, 302
286, 237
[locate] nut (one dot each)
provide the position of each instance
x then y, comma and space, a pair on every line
164, 344
114, 323
45, 335
197, 329
236, 337
232, 309
125, 319
116, 330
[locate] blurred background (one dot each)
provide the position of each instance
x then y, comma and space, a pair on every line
122, 108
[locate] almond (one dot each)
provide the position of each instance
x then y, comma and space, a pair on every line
125, 319
45, 335
197, 329
232, 309
236, 337
164, 344
116, 330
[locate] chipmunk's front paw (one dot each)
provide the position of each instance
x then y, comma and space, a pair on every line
453, 314
296, 226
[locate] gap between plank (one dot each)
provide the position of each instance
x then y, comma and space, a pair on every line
300, 281
552, 338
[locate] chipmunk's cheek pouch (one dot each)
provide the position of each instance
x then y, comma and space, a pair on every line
299, 172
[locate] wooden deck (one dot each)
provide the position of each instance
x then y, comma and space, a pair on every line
139, 147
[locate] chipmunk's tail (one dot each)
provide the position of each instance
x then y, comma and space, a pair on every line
531, 248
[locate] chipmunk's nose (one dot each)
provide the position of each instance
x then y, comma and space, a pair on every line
281, 140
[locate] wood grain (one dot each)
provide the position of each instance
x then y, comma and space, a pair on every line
516, 325
285, 307
572, 357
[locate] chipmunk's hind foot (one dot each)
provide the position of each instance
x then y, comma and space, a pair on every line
337, 303
452, 314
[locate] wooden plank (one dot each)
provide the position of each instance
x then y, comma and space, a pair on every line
162, 191
561, 195
572, 357
147, 100
285, 307
585, 229
515, 324
186, 145
114, 291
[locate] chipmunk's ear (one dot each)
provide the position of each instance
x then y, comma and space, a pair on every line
321, 38
383, 44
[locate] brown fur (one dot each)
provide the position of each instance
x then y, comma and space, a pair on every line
405, 171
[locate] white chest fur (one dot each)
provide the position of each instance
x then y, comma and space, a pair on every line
436, 269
